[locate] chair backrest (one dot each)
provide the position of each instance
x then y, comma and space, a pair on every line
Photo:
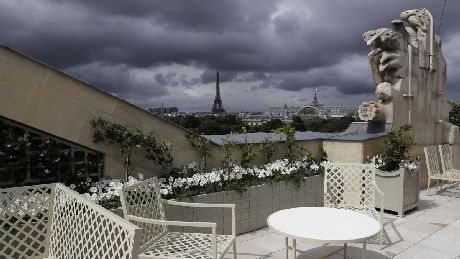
348, 185
445, 151
433, 163
82, 229
54, 221
143, 199
24, 216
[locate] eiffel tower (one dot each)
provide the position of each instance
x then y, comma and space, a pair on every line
217, 107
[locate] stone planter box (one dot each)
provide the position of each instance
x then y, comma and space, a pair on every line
252, 206
401, 189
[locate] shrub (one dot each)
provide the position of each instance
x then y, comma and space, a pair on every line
129, 140
202, 145
396, 148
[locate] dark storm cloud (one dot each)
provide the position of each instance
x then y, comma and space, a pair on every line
210, 76
188, 82
166, 78
119, 80
278, 44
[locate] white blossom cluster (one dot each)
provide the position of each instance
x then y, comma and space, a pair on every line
106, 189
234, 173
377, 161
408, 164
411, 165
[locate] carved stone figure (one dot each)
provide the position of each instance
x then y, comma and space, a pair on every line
419, 23
390, 49
369, 111
384, 91
384, 57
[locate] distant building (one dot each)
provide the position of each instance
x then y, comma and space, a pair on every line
313, 111
163, 110
217, 107
252, 118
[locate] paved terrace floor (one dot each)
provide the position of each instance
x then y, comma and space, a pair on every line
431, 231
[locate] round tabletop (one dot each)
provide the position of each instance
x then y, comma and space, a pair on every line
327, 225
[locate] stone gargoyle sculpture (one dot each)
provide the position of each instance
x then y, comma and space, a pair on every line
388, 60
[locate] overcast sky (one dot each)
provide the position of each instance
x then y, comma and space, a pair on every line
269, 52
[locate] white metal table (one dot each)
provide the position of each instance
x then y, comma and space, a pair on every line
325, 225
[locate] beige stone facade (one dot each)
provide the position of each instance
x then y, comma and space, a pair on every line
49, 100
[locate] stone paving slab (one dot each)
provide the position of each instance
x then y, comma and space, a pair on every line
431, 231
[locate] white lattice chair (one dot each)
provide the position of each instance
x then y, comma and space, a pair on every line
52, 221
143, 206
352, 186
439, 164
448, 169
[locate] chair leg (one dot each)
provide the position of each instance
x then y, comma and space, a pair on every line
428, 188
294, 247
234, 249
364, 250
286, 241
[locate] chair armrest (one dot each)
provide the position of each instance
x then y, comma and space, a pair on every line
198, 205
172, 223
207, 205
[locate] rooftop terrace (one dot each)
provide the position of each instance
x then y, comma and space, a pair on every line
431, 231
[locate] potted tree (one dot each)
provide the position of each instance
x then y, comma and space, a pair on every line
397, 175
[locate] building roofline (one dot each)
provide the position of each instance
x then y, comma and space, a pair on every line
357, 131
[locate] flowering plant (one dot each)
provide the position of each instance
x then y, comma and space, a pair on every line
189, 181
396, 149
105, 192
408, 164
186, 183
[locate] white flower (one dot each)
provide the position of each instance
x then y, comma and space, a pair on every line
192, 165
164, 191
93, 189
72, 186
93, 197
314, 167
